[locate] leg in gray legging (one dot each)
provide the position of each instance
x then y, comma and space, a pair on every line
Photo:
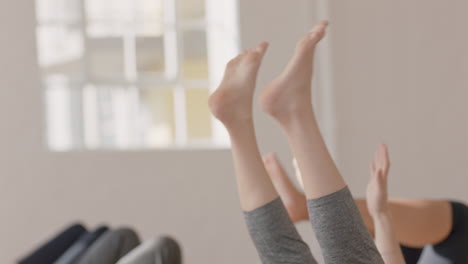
272, 231
335, 217
275, 236
340, 230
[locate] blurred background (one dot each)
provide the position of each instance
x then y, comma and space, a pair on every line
104, 117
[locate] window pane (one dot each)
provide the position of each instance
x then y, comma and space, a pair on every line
112, 117
149, 10
198, 115
195, 61
150, 56
64, 120
113, 86
120, 28
192, 9
116, 17
149, 28
60, 49
106, 57
99, 29
110, 10
106, 119
158, 109
58, 10
109, 17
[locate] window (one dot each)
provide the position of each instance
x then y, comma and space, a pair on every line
133, 74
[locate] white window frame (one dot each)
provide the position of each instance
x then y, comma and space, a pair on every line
223, 41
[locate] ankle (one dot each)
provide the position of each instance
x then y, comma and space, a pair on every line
238, 124
297, 116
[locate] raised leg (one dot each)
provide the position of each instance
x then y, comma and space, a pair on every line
288, 100
338, 225
232, 103
272, 231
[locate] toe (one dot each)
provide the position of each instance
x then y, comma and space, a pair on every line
318, 31
314, 35
320, 25
262, 48
233, 63
253, 58
254, 55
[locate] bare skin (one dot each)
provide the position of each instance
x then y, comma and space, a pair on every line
292, 199
417, 222
288, 100
232, 104
377, 203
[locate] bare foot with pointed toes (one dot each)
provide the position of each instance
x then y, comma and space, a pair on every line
290, 93
232, 102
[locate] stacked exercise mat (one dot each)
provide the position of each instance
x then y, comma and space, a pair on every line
103, 245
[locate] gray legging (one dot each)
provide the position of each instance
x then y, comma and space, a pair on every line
337, 223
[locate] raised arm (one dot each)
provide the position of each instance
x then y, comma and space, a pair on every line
377, 203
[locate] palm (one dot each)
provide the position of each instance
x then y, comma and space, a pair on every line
377, 195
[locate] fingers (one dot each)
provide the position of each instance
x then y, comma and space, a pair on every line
377, 157
381, 156
386, 158
381, 159
381, 179
380, 165
372, 168
377, 174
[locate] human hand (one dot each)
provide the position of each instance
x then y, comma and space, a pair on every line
377, 193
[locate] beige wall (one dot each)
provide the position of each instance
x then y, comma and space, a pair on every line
401, 77
399, 72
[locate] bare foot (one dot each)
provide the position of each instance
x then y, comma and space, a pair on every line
294, 201
232, 101
290, 93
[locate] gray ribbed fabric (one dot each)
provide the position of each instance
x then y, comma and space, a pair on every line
275, 236
340, 230
77, 250
112, 246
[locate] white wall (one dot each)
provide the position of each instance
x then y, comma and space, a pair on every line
401, 77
